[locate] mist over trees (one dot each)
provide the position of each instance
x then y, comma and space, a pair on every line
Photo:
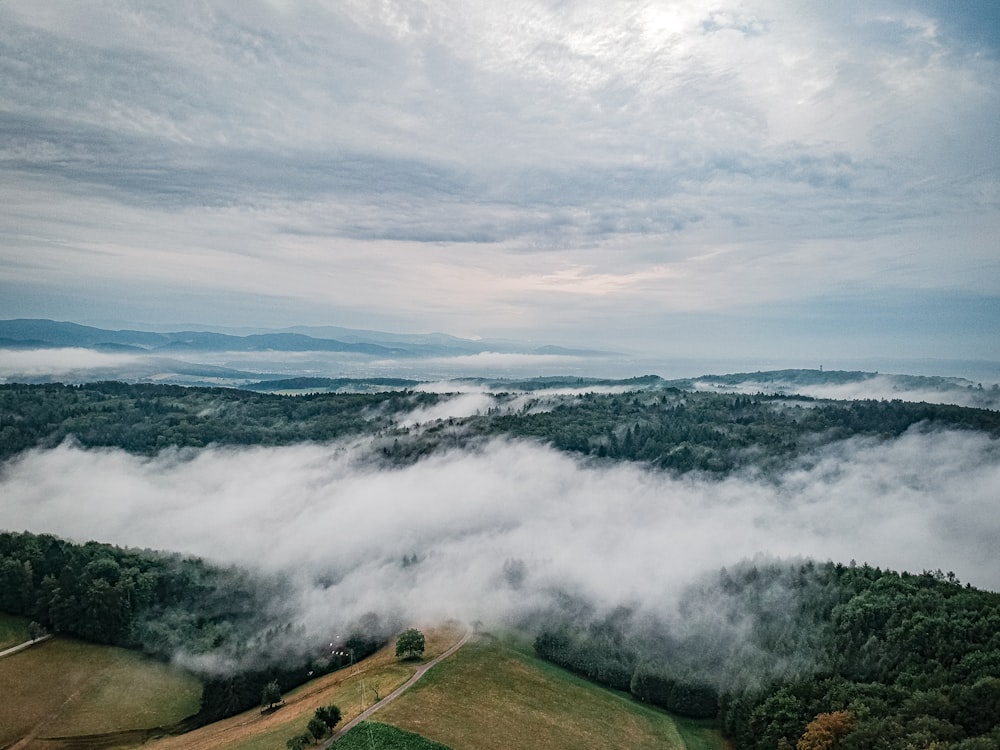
666, 428
145, 419
780, 653
905, 660
162, 603
231, 626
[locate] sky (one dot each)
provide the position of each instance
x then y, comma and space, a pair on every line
680, 178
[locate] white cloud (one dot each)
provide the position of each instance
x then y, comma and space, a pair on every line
885, 387
61, 363
615, 533
462, 405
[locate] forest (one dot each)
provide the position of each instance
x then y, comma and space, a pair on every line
143, 418
877, 658
806, 654
166, 604
665, 427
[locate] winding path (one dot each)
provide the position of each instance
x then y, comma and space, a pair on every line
23, 646
421, 670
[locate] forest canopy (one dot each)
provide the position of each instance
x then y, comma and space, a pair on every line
667, 428
914, 660
168, 605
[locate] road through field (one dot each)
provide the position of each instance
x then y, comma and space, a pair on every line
421, 670
22, 646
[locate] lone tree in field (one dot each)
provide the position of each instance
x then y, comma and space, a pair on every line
271, 694
329, 715
317, 728
410, 644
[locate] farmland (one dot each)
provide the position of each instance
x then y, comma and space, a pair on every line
490, 694
493, 695
352, 689
67, 688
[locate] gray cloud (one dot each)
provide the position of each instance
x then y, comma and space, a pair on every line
760, 153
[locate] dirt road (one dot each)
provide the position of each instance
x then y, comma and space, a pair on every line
22, 646
421, 670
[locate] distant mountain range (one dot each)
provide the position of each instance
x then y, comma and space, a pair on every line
309, 359
25, 333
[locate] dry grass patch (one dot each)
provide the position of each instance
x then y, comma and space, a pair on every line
65, 687
350, 689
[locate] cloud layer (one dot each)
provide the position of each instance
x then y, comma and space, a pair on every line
614, 534
493, 171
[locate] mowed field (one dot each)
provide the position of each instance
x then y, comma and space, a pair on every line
492, 696
66, 688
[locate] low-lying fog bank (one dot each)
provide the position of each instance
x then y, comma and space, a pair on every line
488, 534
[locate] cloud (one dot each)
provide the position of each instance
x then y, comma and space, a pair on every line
885, 387
475, 399
511, 167
59, 364
462, 405
613, 534
509, 359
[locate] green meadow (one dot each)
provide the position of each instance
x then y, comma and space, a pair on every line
66, 688
492, 696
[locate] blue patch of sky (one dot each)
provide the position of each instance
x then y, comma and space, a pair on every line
974, 23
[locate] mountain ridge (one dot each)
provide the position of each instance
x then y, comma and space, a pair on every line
43, 333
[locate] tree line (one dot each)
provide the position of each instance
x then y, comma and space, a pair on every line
164, 604
667, 428
716, 433
147, 418
785, 655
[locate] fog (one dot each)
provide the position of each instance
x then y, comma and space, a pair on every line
613, 534
465, 399
78, 365
66, 363
959, 392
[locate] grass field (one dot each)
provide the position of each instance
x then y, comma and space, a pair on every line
490, 696
65, 688
13, 630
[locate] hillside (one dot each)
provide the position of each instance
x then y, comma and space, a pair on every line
665, 427
494, 696
66, 688
359, 511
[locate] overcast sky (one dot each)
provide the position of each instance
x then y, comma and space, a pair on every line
681, 177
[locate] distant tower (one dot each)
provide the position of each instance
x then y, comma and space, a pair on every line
821, 368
